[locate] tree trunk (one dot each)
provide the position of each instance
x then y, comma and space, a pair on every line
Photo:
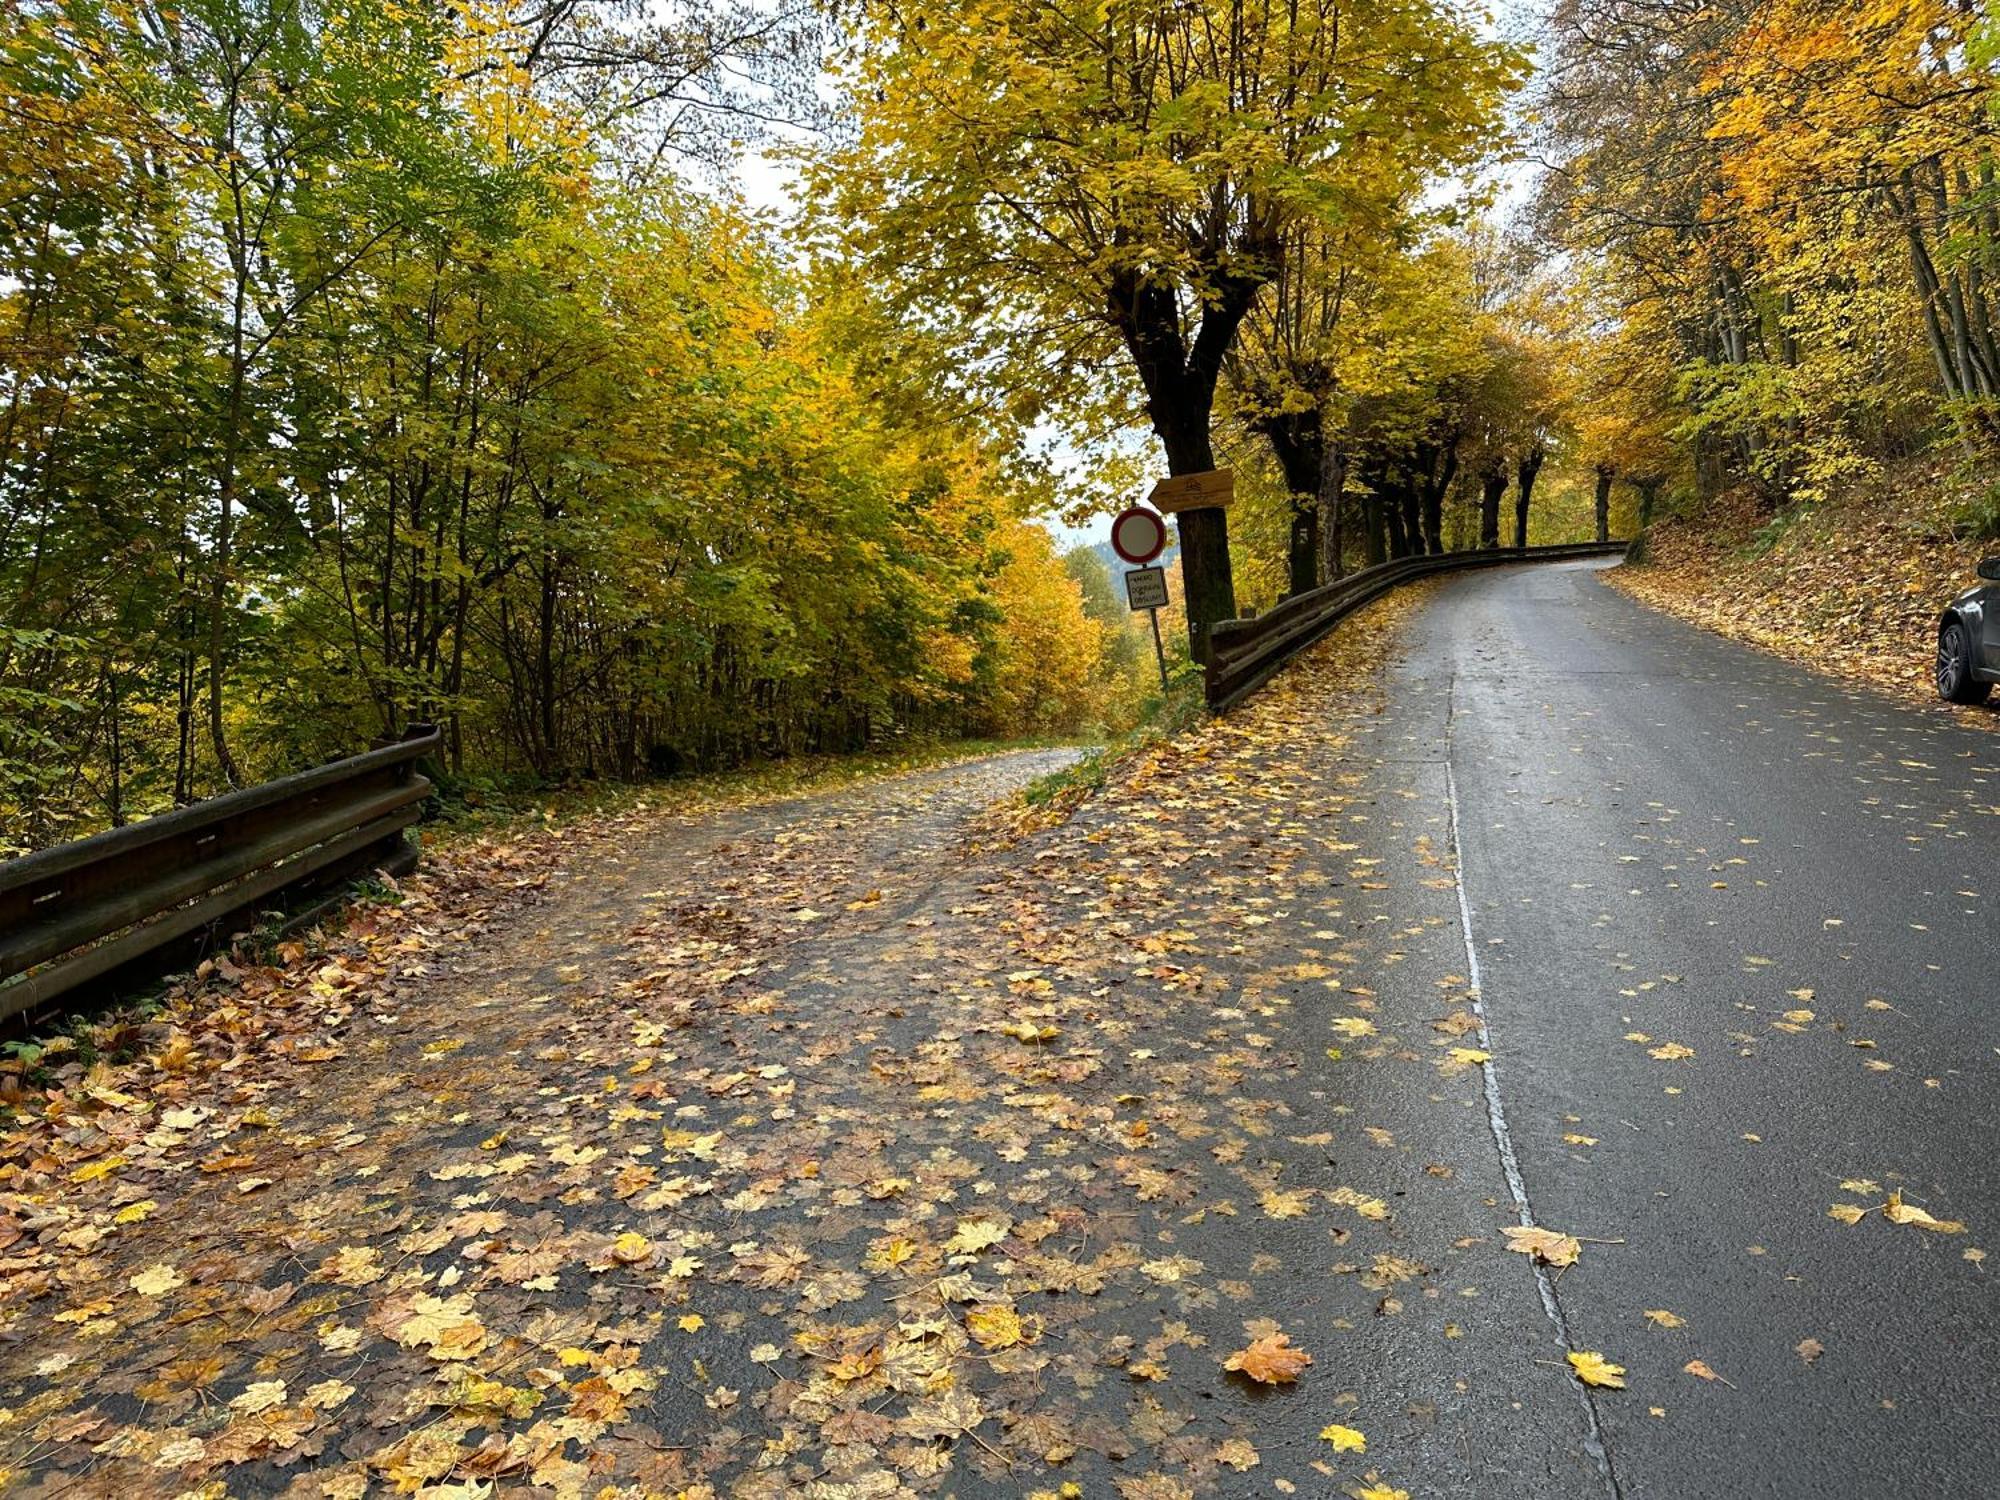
1492, 485
1605, 474
1439, 467
218, 594
1413, 521
1332, 492
1295, 443
1304, 558
1396, 503
1179, 377
1648, 487
1374, 510
1524, 479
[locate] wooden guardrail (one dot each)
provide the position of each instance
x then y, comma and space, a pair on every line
1244, 653
80, 913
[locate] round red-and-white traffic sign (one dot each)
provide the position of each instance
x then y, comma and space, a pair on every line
1139, 535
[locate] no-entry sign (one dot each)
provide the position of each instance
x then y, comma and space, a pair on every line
1139, 535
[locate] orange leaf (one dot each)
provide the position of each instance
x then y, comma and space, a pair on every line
1270, 1359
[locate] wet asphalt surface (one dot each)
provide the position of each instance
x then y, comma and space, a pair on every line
1669, 836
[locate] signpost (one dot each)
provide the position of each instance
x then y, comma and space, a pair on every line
1146, 588
1139, 535
1213, 490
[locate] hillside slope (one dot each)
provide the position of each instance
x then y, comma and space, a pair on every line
1849, 586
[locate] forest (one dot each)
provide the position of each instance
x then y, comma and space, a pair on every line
373, 364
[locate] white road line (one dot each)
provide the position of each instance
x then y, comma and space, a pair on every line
1496, 1111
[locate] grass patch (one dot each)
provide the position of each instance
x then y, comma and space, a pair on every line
1050, 799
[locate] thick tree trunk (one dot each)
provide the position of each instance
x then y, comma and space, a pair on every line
1413, 521
1304, 555
1333, 511
1296, 444
1648, 487
1605, 474
1437, 467
1393, 513
1374, 510
1492, 485
1524, 480
1179, 377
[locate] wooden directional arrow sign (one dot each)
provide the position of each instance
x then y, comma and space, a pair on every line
1212, 490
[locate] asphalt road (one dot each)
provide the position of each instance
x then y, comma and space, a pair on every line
1671, 841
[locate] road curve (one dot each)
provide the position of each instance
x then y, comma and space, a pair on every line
1669, 841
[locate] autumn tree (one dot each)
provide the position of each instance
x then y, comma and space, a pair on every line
368, 364
1113, 188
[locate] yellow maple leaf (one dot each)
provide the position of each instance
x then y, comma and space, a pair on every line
1665, 1319
260, 1396
1028, 1031
630, 1247
1548, 1246
1344, 1439
1670, 1052
156, 1281
973, 1235
1593, 1368
693, 1323
997, 1326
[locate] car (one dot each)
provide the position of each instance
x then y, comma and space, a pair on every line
1968, 641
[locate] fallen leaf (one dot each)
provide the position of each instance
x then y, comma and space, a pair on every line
1237, 1453
1665, 1319
156, 1281
1272, 1360
1344, 1439
1899, 1212
1548, 1246
260, 1396
1700, 1370
1810, 1349
1593, 1368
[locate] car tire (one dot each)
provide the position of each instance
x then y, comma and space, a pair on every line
1955, 682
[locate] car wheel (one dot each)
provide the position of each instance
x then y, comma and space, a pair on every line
1955, 682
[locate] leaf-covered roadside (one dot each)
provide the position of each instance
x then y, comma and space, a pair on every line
1851, 587
794, 1153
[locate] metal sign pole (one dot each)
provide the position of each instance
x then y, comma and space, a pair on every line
1159, 650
